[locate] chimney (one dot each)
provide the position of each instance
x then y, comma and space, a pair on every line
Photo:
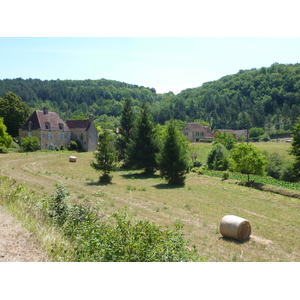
45, 109
91, 118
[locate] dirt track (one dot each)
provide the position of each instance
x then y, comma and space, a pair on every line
17, 243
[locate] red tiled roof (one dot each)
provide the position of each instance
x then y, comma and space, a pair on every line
39, 120
196, 126
79, 125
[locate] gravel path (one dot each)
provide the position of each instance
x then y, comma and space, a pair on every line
16, 243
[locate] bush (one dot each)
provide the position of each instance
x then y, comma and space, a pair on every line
3, 149
127, 241
30, 143
274, 164
288, 174
265, 137
217, 158
72, 146
197, 164
225, 175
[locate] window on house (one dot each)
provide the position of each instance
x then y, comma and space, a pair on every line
47, 125
63, 135
61, 126
49, 135
29, 133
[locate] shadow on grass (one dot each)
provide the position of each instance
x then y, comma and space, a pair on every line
166, 186
139, 176
252, 184
97, 183
226, 239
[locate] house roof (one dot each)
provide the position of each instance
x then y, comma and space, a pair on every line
236, 132
39, 119
244, 131
199, 128
226, 130
79, 125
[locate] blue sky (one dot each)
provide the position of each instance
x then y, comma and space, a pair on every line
166, 64
163, 44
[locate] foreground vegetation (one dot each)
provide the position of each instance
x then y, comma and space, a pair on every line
196, 208
84, 236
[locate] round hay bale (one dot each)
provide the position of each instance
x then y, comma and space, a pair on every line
72, 159
235, 227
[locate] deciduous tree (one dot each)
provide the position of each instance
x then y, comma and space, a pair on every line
226, 139
14, 112
247, 159
5, 139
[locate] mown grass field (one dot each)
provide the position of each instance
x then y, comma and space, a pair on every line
202, 149
199, 205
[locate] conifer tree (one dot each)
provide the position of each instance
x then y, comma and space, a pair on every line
142, 149
106, 159
126, 129
295, 151
173, 159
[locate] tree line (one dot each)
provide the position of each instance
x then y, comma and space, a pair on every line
267, 98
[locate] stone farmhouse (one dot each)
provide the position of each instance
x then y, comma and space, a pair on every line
54, 133
195, 132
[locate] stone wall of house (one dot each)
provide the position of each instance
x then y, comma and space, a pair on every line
49, 139
92, 138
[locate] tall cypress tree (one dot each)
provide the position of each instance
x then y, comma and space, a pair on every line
142, 149
173, 159
126, 128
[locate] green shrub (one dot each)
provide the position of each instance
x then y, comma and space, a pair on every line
197, 164
30, 143
274, 164
217, 158
288, 174
225, 175
73, 146
265, 137
56, 207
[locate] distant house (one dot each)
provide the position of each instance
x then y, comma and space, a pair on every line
235, 133
195, 132
54, 133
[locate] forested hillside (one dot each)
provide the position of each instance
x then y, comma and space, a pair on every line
264, 97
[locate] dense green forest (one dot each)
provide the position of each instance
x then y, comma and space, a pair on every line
268, 97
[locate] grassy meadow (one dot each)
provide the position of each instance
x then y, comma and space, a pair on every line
199, 206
